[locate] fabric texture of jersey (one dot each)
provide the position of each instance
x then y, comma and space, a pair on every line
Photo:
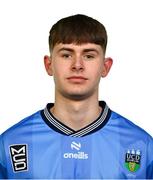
41, 147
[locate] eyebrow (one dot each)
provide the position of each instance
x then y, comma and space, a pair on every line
85, 50
91, 49
65, 49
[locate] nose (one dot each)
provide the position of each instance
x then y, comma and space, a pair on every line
78, 64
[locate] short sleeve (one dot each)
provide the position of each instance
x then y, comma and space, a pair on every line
3, 174
150, 160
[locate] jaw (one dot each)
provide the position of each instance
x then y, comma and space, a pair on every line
76, 90
76, 94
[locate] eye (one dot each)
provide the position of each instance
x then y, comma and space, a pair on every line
66, 56
89, 57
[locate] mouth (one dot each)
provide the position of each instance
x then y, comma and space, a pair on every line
77, 79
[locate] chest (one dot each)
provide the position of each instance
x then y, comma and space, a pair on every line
96, 156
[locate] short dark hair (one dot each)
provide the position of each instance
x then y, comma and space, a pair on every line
78, 29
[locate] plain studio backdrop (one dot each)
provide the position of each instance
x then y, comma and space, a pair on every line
25, 87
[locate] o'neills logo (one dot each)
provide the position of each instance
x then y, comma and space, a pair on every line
78, 155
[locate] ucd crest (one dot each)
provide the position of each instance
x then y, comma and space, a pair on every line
132, 160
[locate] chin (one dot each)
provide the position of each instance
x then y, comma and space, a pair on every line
77, 96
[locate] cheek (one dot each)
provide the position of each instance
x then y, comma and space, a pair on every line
59, 67
96, 71
59, 72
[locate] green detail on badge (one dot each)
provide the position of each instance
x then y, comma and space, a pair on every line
132, 166
132, 160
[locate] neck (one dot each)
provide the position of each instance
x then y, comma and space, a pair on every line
76, 114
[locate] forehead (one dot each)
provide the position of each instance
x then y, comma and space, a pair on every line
78, 48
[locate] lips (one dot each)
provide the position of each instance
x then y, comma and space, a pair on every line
77, 79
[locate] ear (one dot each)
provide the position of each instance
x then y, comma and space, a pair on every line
48, 65
106, 66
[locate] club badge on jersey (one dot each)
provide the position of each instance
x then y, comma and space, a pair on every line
132, 160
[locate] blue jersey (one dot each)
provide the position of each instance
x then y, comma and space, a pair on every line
40, 146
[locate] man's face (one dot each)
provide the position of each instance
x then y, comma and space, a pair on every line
77, 69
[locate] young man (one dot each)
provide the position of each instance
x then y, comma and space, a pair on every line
77, 137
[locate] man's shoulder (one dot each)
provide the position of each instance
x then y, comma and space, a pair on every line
23, 124
128, 127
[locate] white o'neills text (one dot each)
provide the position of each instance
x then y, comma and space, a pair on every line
79, 155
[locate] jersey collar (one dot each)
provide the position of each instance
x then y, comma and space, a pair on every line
58, 126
